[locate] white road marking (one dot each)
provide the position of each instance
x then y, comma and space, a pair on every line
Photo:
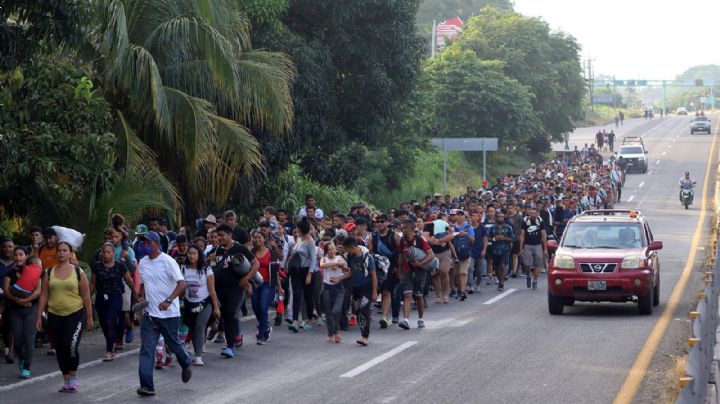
387, 355
59, 374
657, 162
642, 184
500, 296
664, 153
674, 140
630, 199
448, 322
650, 172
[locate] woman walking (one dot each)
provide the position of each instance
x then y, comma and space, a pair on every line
302, 259
22, 313
335, 271
66, 295
106, 281
265, 293
200, 299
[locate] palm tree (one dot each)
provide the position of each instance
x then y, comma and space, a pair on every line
186, 85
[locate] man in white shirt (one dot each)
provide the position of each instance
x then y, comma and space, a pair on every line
161, 283
310, 201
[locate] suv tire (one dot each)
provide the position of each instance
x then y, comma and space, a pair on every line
645, 303
555, 304
656, 291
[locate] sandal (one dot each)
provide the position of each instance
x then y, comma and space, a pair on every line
108, 357
437, 301
328, 339
337, 338
362, 342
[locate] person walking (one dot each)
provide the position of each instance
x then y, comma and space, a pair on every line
106, 281
411, 273
302, 258
66, 295
364, 285
22, 313
335, 271
161, 283
200, 299
265, 292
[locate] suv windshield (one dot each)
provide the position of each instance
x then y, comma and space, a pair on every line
631, 150
700, 118
603, 235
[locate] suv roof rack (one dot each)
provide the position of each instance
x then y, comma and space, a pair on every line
612, 212
632, 139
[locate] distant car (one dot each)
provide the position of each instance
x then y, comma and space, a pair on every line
700, 124
681, 111
605, 255
635, 156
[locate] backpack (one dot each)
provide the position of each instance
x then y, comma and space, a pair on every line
381, 247
463, 247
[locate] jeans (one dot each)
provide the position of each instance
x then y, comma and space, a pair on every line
22, 321
150, 330
362, 311
344, 319
111, 318
300, 292
317, 287
261, 298
230, 299
333, 296
396, 299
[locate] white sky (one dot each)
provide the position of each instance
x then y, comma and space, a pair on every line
636, 39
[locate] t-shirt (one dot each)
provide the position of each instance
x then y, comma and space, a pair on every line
13, 276
5, 268
430, 228
225, 275
533, 230
477, 248
439, 227
264, 268
48, 256
362, 266
332, 272
29, 278
160, 277
109, 281
196, 289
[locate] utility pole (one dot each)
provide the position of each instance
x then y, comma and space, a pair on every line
591, 83
433, 39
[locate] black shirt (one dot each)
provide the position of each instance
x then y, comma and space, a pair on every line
109, 281
533, 230
430, 229
240, 235
225, 276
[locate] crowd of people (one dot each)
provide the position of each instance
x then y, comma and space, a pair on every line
325, 270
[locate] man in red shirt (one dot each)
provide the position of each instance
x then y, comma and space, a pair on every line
412, 275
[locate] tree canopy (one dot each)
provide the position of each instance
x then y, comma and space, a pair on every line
440, 10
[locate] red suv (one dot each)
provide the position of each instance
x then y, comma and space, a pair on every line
605, 255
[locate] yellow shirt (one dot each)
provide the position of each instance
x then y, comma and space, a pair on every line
64, 298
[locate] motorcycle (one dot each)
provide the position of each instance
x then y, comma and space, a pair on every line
686, 195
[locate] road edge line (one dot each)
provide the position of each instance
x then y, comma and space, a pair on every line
378, 360
639, 368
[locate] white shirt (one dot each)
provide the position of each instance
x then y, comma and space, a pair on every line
332, 272
160, 277
318, 213
196, 286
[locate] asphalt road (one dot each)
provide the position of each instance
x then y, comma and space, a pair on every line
493, 348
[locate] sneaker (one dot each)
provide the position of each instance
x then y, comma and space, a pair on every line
514, 275
288, 320
212, 334
470, 291
187, 374
227, 352
534, 285
307, 326
453, 293
496, 281
320, 323
404, 325
463, 296
294, 327
168, 360
197, 361
119, 346
144, 391
421, 324
269, 332
72, 386
129, 336
383, 323
395, 320
262, 341
219, 339
159, 364
501, 288
528, 280
51, 352
484, 276
278, 321
239, 341
24, 374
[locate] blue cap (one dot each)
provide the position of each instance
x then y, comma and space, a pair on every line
151, 236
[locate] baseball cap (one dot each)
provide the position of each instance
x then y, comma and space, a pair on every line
437, 194
141, 229
151, 236
341, 233
210, 219
382, 216
349, 227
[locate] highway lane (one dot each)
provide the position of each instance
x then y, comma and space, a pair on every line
511, 350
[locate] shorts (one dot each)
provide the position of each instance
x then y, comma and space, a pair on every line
462, 267
515, 249
388, 285
533, 256
446, 260
127, 294
413, 283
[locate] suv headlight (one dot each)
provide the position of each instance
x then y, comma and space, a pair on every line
632, 262
564, 262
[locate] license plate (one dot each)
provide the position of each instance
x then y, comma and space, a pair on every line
597, 285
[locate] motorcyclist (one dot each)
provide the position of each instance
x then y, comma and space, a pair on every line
687, 183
